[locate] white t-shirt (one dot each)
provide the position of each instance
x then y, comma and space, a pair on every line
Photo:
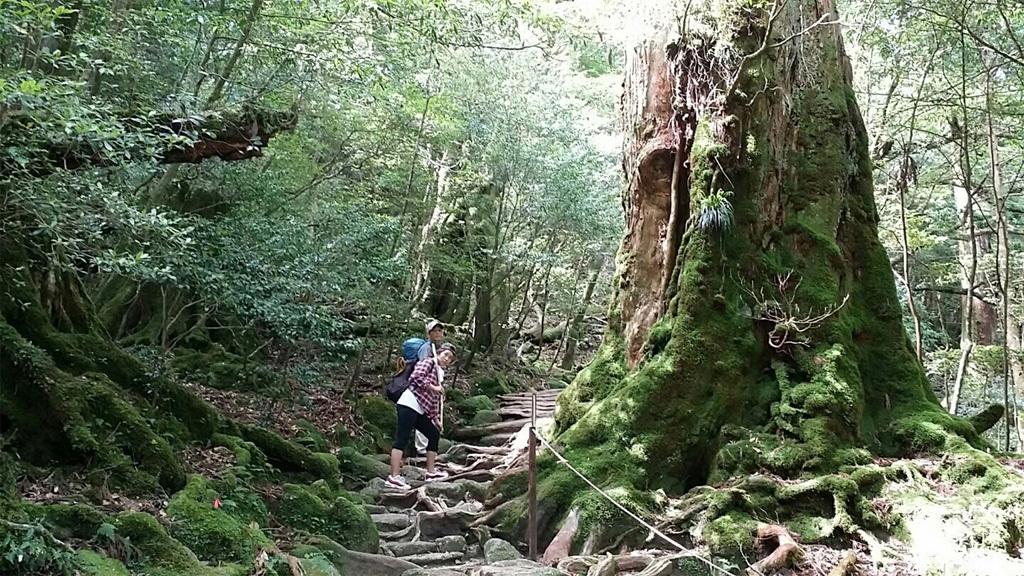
408, 399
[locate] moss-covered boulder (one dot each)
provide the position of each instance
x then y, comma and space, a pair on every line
311, 437
472, 405
246, 453
213, 525
321, 510
485, 417
158, 550
379, 420
66, 521
289, 456
492, 385
92, 563
358, 466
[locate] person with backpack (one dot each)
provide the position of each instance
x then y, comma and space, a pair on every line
419, 408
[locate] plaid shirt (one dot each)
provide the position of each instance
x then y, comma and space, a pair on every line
424, 375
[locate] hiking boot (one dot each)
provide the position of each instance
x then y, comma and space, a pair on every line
435, 476
397, 482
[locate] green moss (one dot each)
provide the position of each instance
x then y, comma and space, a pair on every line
289, 456
158, 549
9, 498
246, 453
379, 420
218, 368
225, 534
96, 564
359, 466
509, 485
310, 437
987, 418
473, 404
484, 417
492, 385
66, 521
329, 514
731, 535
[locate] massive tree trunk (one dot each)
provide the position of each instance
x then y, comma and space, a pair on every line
783, 348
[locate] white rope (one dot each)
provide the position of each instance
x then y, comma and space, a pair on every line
626, 510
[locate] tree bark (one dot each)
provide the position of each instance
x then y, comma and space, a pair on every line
649, 158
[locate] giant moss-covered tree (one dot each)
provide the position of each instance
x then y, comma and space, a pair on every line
755, 339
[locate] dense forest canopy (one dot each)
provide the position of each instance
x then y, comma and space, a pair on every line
771, 248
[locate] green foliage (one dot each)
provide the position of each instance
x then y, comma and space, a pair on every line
33, 550
328, 513
229, 533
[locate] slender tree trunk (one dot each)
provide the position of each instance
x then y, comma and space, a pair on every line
963, 196
575, 331
1002, 252
906, 174
236, 53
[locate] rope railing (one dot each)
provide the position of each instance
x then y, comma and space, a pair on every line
653, 530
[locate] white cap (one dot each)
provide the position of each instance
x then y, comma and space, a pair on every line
431, 324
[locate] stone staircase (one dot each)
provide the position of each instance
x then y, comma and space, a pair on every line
429, 529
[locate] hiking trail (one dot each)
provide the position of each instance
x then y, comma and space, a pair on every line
434, 528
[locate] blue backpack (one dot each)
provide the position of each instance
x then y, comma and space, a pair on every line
397, 384
411, 349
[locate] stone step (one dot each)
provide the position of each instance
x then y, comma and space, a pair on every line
391, 522
434, 558
372, 509
497, 439
545, 393
470, 432
403, 549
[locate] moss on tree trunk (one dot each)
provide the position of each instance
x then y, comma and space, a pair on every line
782, 349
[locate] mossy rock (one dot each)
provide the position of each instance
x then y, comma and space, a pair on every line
492, 385
731, 536
311, 437
354, 464
92, 563
158, 549
226, 534
318, 565
470, 406
485, 417
380, 419
66, 521
246, 453
289, 456
319, 510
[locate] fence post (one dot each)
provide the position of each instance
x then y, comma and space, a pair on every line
531, 530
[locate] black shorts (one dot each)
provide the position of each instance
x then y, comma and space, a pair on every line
408, 420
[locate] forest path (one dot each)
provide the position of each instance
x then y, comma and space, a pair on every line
432, 529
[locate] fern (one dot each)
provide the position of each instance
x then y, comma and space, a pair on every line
715, 211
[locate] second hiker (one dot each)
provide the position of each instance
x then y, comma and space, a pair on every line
419, 408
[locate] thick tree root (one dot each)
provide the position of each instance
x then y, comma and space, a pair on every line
847, 566
785, 552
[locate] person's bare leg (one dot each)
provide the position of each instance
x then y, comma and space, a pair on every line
396, 461
431, 456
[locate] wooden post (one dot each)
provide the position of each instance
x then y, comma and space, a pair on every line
531, 529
